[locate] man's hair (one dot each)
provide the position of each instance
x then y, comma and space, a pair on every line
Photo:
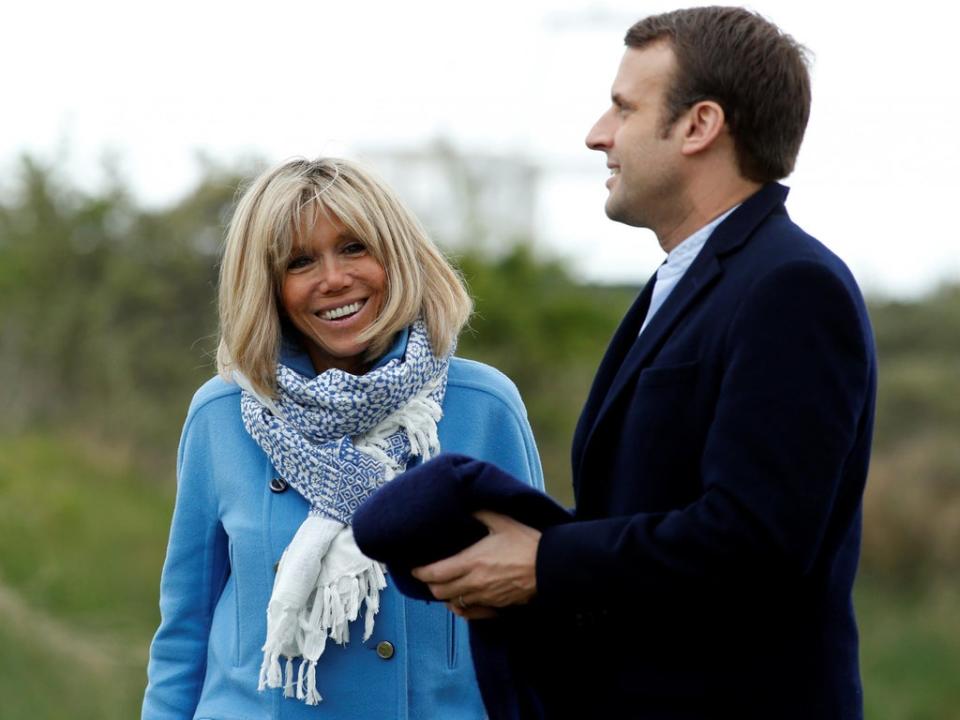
273, 216
743, 62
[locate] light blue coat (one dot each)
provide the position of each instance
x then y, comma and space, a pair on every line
228, 531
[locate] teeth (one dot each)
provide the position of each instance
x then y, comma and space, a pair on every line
342, 311
614, 171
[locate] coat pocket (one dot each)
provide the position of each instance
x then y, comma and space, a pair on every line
452, 622
236, 609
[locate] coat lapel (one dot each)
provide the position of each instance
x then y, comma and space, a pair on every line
637, 352
694, 282
621, 343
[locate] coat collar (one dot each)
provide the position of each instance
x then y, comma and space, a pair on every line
295, 357
734, 231
627, 353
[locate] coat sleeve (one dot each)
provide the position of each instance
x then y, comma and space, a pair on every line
512, 447
485, 418
500, 431
194, 573
798, 372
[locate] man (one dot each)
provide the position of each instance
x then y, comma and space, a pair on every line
720, 459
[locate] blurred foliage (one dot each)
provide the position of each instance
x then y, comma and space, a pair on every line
107, 325
912, 503
547, 333
107, 314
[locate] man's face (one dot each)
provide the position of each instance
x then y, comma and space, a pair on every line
644, 158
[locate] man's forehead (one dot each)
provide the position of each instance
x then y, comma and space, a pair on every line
644, 68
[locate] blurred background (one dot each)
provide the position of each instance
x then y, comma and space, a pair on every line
128, 129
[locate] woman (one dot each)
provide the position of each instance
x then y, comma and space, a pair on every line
338, 320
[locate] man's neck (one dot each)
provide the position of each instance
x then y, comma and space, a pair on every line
704, 205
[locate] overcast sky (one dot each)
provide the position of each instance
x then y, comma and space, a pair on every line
155, 83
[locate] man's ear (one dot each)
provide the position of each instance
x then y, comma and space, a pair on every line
702, 125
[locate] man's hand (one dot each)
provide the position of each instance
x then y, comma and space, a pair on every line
494, 572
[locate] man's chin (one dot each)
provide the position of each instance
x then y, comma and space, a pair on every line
618, 213
612, 208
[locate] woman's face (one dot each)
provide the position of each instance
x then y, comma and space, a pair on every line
332, 290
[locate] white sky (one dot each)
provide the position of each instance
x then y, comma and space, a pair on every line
156, 83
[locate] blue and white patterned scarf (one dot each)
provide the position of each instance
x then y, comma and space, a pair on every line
336, 439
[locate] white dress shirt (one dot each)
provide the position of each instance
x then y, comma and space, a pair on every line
678, 261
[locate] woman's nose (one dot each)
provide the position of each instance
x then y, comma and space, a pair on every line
334, 275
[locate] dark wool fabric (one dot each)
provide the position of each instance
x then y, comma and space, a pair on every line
426, 514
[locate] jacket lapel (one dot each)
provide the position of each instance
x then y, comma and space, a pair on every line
621, 343
700, 276
729, 236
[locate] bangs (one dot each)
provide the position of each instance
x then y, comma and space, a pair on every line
293, 226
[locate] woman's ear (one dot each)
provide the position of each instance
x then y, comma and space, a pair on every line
703, 124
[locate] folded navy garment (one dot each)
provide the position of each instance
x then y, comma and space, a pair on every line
426, 514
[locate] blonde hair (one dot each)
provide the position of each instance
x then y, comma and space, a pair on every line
264, 232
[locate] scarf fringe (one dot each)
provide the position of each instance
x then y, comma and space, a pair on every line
288, 688
328, 614
313, 697
270, 672
417, 419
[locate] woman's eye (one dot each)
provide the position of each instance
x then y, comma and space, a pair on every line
298, 262
354, 248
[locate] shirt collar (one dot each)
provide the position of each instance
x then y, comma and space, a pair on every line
685, 253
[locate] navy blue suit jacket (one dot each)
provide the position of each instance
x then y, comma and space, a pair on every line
718, 469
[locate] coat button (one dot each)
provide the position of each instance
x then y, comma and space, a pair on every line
278, 485
385, 649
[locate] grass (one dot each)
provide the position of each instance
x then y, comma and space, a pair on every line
909, 651
83, 535
40, 683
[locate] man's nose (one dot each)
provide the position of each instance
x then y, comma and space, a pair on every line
600, 136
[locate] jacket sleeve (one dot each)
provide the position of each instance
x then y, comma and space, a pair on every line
194, 572
506, 437
485, 418
515, 450
798, 372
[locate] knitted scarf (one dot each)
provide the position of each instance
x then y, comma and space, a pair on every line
336, 439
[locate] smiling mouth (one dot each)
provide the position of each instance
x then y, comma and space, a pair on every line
344, 311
